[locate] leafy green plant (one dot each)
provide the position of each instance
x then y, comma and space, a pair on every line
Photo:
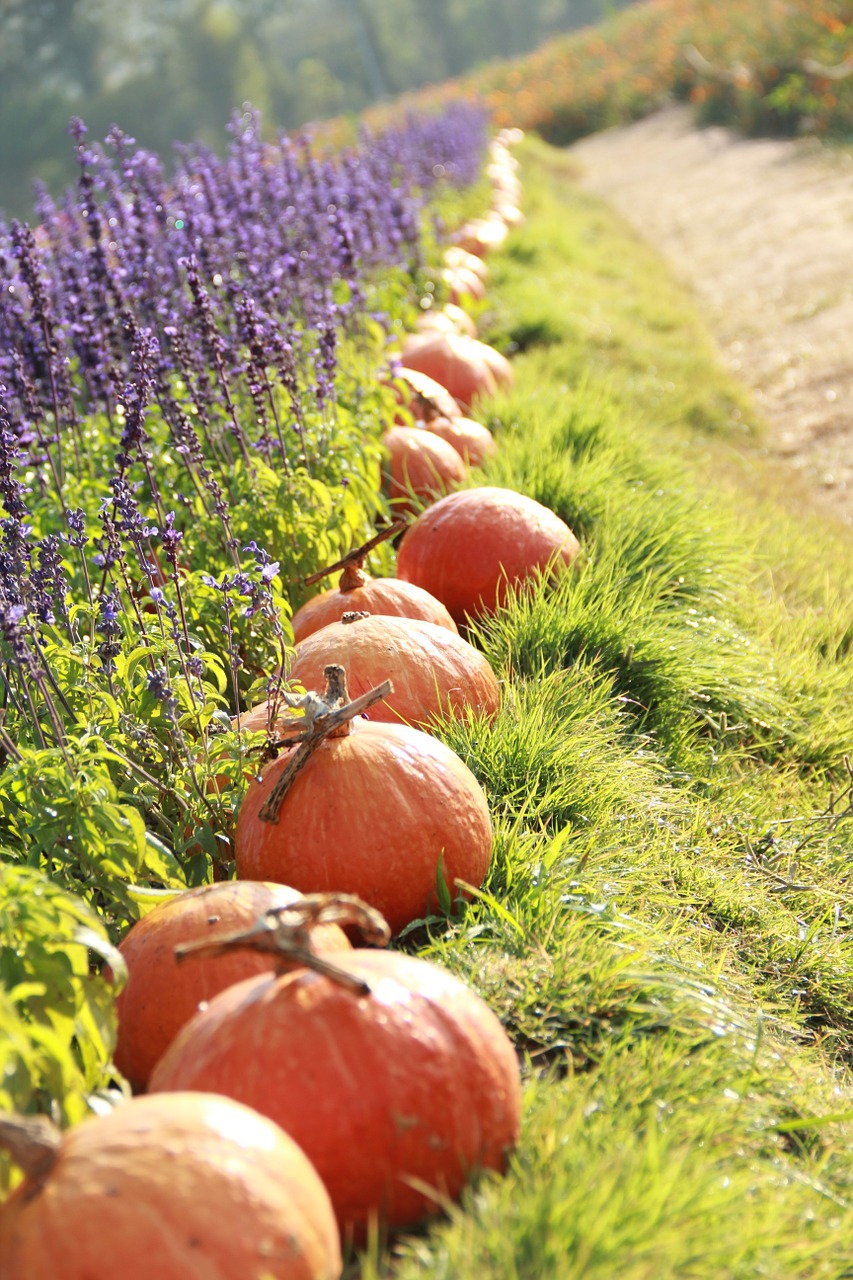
57, 1015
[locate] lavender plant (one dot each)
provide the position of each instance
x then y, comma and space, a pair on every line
190, 418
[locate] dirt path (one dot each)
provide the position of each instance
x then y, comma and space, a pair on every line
763, 233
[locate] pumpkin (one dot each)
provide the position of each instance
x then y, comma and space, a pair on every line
505, 184
468, 368
415, 1082
377, 813
481, 235
504, 177
160, 994
499, 365
421, 467
470, 547
474, 443
423, 396
177, 1186
357, 592
449, 317
432, 670
509, 212
454, 257
463, 284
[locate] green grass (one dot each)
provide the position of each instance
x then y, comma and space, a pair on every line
666, 931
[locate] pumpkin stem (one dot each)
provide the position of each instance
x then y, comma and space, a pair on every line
352, 562
285, 933
33, 1142
326, 715
353, 577
355, 615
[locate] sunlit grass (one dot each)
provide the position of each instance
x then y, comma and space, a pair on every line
665, 931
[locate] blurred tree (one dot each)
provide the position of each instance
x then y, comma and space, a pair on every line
177, 69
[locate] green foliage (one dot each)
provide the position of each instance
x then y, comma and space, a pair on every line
656, 1165
57, 1017
62, 813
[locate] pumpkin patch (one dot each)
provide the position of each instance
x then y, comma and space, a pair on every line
357, 592
161, 995
421, 467
460, 364
474, 443
423, 396
398, 1096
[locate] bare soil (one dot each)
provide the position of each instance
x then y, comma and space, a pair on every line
762, 231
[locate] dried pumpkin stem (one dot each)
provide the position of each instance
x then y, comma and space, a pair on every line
33, 1142
284, 932
330, 713
359, 554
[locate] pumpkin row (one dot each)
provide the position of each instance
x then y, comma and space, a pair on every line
298, 1088
315, 1092
446, 369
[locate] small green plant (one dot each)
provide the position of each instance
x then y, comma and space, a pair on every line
57, 1008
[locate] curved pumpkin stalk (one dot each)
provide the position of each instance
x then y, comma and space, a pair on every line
285, 932
325, 715
33, 1142
354, 560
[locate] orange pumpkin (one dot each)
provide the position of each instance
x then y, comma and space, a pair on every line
469, 547
160, 994
357, 592
420, 466
257, 720
468, 368
449, 317
432, 670
423, 396
499, 365
474, 443
372, 813
454, 257
415, 1082
463, 283
505, 181
177, 1186
509, 212
481, 235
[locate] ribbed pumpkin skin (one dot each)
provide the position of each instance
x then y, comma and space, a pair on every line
162, 994
386, 596
454, 361
416, 1080
421, 464
371, 814
184, 1186
474, 443
431, 669
425, 397
468, 547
